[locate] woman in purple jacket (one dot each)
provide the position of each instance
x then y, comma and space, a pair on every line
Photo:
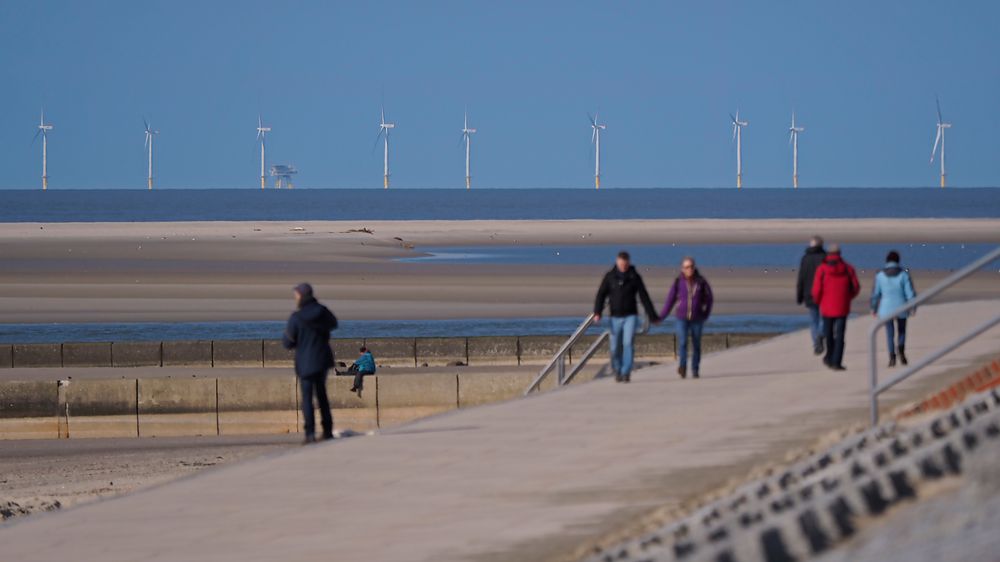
693, 297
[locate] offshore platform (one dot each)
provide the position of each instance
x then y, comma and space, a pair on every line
282, 175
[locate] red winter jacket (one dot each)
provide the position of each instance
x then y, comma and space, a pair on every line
835, 286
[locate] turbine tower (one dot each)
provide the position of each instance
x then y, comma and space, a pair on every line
941, 126
261, 131
467, 136
738, 137
595, 138
43, 129
383, 131
794, 140
149, 144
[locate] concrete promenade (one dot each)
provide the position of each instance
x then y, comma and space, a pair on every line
531, 479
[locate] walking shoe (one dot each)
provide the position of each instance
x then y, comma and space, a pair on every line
902, 356
328, 436
627, 378
309, 440
892, 359
839, 368
695, 375
819, 348
682, 371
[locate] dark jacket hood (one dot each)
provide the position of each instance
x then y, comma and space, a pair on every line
313, 314
815, 250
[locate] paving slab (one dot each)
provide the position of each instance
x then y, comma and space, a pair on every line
529, 479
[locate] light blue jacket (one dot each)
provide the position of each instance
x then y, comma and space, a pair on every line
893, 288
366, 363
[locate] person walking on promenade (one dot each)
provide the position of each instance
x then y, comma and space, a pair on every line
364, 365
893, 288
692, 296
308, 333
835, 286
811, 260
619, 288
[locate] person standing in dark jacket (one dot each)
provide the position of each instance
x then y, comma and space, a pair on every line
308, 333
692, 295
619, 289
814, 256
835, 286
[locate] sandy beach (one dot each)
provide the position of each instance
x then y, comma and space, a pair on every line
220, 271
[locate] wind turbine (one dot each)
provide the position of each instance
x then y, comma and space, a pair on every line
43, 129
595, 137
261, 131
467, 136
794, 140
941, 126
149, 144
383, 131
738, 137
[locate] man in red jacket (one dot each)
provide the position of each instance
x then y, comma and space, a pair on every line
834, 287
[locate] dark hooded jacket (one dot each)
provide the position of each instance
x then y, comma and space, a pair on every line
811, 261
620, 291
835, 286
308, 333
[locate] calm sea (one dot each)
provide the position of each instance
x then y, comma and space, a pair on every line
443, 204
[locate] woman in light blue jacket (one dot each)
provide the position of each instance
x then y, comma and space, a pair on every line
892, 289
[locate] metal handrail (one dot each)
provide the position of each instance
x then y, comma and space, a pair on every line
876, 388
558, 361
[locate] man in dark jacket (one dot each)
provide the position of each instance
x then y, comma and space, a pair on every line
835, 286
619, 288
814, 256
308, 333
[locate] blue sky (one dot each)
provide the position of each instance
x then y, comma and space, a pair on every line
860, 75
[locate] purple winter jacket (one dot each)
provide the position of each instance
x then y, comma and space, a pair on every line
696, 306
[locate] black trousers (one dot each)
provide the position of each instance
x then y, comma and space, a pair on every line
833, 331
359, 377
315, 385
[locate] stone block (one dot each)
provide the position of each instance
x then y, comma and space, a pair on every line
102, 408
392, 352
538, 350
257, 405
440, 352
29, 410
137, 354
655, 347
737, 340
478, 389
177, 407
37, 355
187, 353
349, 410
402, 398
86, 354
577, 351
275, 354
6, 356
492, 350
237, 353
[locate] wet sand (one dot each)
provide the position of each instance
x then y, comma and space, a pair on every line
232, 271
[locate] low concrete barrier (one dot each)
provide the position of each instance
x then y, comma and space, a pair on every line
393, 352
656, 347
101, 408
6, 356
187, 353
237, 353
538, 350
137, 354
359, 413
439, 352
29, 410
346, 350
275, 354
37, 355
737, 340
492, 350
253, 405
170, 407
86, 354
408, 397
479, 389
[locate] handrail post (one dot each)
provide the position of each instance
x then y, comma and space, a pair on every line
873, 372
561, 369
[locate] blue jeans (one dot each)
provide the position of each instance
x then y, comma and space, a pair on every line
890, 333
685, 327
622, 338
815, 325
315, 384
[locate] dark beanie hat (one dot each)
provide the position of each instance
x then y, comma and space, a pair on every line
304, 289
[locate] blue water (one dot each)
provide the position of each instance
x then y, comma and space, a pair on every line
431, 204
771, 256
163, 331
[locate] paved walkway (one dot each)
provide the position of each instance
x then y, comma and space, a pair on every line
524, 480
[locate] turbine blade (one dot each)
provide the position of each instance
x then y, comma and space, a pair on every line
937, 139
936, 99
34, 138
